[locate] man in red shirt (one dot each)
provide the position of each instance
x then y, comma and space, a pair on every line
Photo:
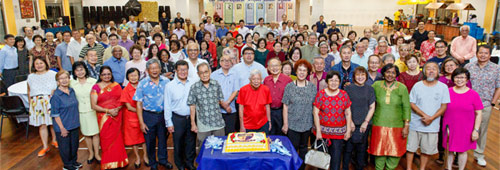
254, 109
276, 82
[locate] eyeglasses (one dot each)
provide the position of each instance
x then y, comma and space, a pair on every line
248, 53
460, 77
192, 50
440, 46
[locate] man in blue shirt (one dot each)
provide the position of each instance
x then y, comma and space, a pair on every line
345, 67
177, 117
222, 31
64, 61
243, 69
230, 85
321, 25
8, 60
117, 64
149, 97
132, 23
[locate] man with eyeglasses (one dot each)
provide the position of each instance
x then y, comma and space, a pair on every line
441, 48
193, 61
230, 85
276, 82
243, 68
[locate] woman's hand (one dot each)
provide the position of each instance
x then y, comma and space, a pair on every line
406, 131
475, 135
318, 135
363, 127
64, 132
284, 129
144, 128
347, 135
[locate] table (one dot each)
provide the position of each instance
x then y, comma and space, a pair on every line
58, 29
208, 160
20, 89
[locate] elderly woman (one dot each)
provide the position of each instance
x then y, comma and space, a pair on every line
41, 83
136, 62
447, 67
82, 85
65, 114
254, 101
105, 100
403, 53
50, 48
363, 102
413, 75
462, 119
428, 47
323, 53
333, 125
38, 51
390, 120
297, 111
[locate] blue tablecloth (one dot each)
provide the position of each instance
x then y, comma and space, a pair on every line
258, 160
57, 29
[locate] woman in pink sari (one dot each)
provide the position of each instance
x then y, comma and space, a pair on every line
105, 100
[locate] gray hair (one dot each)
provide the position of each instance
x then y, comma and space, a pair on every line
387, 56
383, 41
152, 61
202, 64
318, 57
255, 72
464, 27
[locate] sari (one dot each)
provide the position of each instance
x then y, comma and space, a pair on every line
113, 148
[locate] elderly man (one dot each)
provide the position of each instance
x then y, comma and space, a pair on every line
91, 45
8, 60
375, 31
310, 50
276, 82
177, 117
230, 85
428, 100
28, 37
372, 41
243, 69
321, 25
345, 67
210, 28
188, 27
333, 28
204, 99
193, 61
91, 62
113, 42
117, 64
254, 105
132, 23
146, 26
318, 76
178, 30
261, 28
360, 57
149, 97
111, 24
485, 79
75, 45
463, 47
64, 62
125, 42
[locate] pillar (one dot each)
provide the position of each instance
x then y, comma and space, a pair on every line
41, 8
489, 13
66, 10
9, 17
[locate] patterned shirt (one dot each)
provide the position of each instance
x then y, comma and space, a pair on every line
484, 80
299, 101
332, 113
97, 47
208, 115
151, 94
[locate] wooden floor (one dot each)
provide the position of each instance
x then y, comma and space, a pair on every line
17, 152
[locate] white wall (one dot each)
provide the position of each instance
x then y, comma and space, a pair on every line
170, 3
20, 23
480, 6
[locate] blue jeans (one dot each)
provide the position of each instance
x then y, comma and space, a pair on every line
156, 125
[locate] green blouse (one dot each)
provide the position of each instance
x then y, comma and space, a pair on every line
82, 92
392, 110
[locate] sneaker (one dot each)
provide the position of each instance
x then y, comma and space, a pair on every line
55, 145
78, 165
74, 168
43, 152
481, 162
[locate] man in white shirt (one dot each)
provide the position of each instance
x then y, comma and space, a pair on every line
28, 33
111, 25
75, 45
243, 30
193, 61
261, 28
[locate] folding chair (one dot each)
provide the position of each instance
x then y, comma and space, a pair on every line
12, 106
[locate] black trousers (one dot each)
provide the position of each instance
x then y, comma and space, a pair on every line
299, 142
156, 125
335, 151
359, 148
264, 128
68, 148
230, 121
9, 76
184, 141
276, 121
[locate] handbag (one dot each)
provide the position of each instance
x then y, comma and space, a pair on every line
317, 158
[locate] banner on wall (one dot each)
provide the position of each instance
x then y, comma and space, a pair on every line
249, 13
270, 12
281, 11
209, 7
219, 8
260, 11
228, 12
239, 11
290, 13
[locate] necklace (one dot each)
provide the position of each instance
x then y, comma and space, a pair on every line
388, 91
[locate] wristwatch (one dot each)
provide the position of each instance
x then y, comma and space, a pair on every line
492, 104
477, 130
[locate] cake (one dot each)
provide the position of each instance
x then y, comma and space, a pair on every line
246, 142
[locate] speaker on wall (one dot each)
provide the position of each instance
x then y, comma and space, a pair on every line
112, 14
93, 13
86, 14
105, 13
99, 14
119, 14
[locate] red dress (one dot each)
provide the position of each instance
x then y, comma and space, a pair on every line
113, 149
332, 114
132, 134
409, 81
239, 49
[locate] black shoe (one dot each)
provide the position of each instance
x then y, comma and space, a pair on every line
190, 167
168, 165
90, 161
78, 165
181, 168
137, 166
153, 168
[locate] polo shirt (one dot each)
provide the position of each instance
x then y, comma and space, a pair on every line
97, 47
309, 52
277, 88
254, 105
229, 84
61, 51
221, 32
117, 67
321, 26
65, 106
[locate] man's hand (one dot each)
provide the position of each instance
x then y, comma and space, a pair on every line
171, 129
144, 128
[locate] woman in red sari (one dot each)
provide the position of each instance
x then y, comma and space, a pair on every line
105, 100
132, 134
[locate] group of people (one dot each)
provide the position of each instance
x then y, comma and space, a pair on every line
132, 85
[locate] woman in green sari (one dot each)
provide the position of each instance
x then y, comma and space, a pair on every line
390, 120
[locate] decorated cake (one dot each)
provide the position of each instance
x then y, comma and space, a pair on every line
246, 142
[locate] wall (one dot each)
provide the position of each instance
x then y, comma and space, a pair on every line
24, 22
480, 6
123, 2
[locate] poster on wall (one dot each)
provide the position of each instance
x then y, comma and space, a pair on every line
228, 12
260, 12
270, 12
289, 11
219, 8
239, 11
249, 13
27, 10
209, 7
281, 11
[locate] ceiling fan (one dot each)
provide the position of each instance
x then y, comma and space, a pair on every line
132, 7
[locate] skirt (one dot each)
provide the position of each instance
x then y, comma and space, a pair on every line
387, 141
88, 123
40, 110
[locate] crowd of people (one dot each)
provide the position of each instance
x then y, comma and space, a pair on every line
134, 84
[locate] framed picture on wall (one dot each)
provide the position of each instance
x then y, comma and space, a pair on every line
27, 10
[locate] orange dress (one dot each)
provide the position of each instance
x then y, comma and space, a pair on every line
132, 134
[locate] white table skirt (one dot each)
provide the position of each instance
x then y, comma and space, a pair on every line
20, 89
